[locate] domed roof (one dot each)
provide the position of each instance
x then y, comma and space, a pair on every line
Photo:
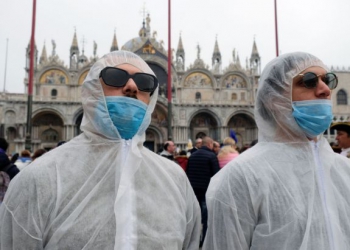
144, 37
143, 30
134, 44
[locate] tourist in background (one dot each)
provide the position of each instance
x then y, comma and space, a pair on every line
228, 152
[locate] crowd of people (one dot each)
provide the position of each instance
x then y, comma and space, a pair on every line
12, 164
104, 190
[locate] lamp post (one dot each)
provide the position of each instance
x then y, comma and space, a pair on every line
28, 142
170, 133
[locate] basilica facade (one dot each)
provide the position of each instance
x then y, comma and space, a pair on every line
206, 99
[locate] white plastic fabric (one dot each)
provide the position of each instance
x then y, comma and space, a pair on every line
286, 192
98, 191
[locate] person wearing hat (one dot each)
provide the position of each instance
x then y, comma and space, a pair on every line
343, 137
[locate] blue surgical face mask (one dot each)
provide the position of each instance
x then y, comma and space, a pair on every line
313, 116
126, 113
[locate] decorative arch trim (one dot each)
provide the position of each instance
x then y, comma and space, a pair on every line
208, 111
240, 112
47, 110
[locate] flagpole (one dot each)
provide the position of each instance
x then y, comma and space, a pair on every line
276, 28
28, 142
7, 43
169, 73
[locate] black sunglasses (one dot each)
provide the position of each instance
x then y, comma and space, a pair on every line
310, 80
115, 77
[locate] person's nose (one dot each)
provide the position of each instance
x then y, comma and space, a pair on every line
130, 87
322, 90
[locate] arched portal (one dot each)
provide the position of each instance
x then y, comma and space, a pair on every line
245, 128
154, 139
203, 124
47, 129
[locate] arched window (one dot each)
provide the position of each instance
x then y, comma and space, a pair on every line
54, 93
198, 96
342, 97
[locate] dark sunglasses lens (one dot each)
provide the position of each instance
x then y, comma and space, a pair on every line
114, 77
145, 82
331, 80
310, 80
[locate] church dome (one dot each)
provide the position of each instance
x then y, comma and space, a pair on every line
134, 44
145, 39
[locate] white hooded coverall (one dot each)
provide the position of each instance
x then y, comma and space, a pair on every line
99, 191
286, 192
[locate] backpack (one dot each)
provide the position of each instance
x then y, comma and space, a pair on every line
4, 181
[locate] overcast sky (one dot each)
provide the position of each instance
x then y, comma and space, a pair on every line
317, 26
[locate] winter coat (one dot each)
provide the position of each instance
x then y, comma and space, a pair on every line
201, 166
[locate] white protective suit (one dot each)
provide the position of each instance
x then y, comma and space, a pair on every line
286, 192
99, 191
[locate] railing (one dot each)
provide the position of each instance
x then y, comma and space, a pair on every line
24, 97
36, 98
213, 102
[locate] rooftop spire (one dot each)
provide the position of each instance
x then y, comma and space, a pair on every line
180, 56
43, 57
216, 46
180, 47
75, 41
114, 42
255, 62
216, 58
238, 62
255, 49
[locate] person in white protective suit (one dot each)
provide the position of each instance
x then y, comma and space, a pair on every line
104, 189
290, 191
